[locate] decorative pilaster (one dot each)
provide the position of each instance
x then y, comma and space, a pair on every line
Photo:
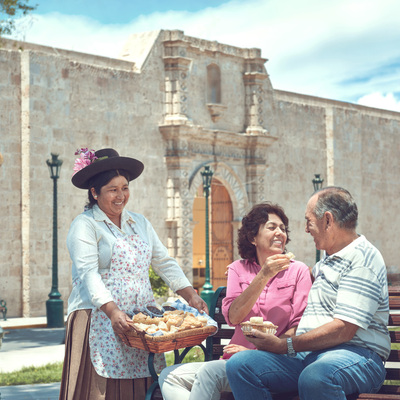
254, 78
176, 67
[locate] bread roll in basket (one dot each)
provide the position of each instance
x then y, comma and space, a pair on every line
174, 330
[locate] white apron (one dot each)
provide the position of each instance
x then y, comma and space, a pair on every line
129, 283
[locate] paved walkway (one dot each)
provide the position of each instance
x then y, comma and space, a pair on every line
49, 391
28, 342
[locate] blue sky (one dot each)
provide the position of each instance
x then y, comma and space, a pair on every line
344, 50
120, 11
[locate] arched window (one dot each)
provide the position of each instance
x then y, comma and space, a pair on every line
214, 84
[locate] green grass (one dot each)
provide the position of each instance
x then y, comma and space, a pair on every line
52, 372
194, 355
31, 375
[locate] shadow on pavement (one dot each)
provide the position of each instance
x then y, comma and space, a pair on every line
20, 339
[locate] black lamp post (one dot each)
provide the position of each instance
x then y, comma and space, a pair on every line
54, 305
207, 292
317, 183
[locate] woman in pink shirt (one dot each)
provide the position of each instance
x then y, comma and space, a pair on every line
266, 283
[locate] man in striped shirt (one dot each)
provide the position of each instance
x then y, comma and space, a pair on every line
342, 340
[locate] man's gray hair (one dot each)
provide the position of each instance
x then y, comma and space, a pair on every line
340, 203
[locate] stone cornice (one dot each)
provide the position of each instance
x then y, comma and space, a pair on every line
185, 142
176, 63
177, 37
196, 133
251, 78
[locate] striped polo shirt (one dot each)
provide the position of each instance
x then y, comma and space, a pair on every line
351, 285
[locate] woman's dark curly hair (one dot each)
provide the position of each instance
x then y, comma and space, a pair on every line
251, 223
102, 179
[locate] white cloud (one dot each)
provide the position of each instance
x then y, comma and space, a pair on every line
342, 49
74, 32
379, 100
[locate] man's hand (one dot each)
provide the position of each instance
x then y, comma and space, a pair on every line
325, 336
267, 342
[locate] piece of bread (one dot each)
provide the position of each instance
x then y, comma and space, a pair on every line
290, 255
140, 318
256, 320
170, 322
190, 322
163, 326
203, 320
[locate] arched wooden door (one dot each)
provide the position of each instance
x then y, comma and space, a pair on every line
221, 246
221, 235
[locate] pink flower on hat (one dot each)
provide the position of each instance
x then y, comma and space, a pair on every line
86, 157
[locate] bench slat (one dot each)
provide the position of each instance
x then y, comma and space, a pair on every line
394, 320
390, 389
219, 318
395, 336
394, 355
218, 349
393, 374
224, 334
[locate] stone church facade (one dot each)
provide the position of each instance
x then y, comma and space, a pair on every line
178, 104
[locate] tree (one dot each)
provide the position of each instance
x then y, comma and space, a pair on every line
160, 289
9, 11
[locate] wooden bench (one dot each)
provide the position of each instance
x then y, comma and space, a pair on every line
388, 391
3, 309
215, 344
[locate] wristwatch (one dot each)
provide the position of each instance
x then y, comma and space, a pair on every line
290, 350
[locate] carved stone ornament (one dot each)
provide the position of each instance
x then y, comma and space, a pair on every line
216, 111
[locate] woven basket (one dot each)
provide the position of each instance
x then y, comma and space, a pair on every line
160, 344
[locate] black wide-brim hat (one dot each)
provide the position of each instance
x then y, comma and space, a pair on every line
107, 160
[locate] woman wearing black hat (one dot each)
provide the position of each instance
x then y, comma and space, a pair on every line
111, 251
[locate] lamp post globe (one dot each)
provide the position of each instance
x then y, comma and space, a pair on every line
54, 305
317, 183
207, 292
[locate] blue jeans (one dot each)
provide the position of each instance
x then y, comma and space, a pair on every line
327, 374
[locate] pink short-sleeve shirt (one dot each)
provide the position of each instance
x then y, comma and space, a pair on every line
282, 301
